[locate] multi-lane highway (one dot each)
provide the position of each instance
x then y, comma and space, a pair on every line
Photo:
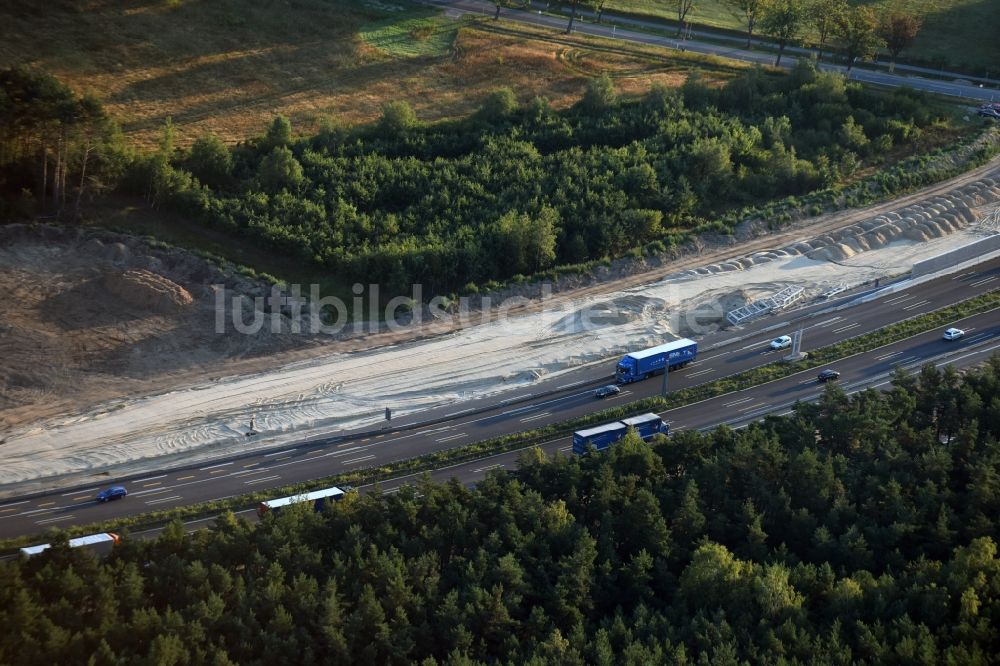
869, 370
562, 398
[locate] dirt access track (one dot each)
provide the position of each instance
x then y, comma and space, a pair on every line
93, 318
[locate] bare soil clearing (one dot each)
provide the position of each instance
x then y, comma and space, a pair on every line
89, 320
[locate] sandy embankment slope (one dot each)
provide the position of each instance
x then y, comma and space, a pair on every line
345, 390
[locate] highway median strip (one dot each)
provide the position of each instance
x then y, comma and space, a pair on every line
479, 450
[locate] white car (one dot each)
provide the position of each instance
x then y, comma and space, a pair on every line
781, 343
953, 334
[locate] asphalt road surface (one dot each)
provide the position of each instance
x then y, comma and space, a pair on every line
562, 398
869, 370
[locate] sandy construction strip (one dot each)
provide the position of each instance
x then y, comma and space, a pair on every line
349, 390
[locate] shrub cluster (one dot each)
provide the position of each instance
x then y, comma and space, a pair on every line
518, 189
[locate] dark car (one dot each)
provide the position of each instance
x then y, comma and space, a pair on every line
605, 391
989, 112
112, 493
828, 376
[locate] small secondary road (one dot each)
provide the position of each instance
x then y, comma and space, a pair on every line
549, 402
951, 88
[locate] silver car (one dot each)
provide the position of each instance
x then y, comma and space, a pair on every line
781, 343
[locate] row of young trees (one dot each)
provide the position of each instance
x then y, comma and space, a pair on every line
520, 188
855, 530
859, 31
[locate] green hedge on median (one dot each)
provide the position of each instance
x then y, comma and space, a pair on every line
461, 454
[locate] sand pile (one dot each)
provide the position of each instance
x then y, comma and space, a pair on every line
707, 313
615, 312
143, 289
92, 316
936, 217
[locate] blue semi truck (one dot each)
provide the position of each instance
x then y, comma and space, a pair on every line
648, 362
603, 436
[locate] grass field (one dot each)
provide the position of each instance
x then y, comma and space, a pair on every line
230, 66
412, 35
956, 33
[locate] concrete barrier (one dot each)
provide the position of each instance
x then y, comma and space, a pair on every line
979, 248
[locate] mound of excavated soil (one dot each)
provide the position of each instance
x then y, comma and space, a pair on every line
707, 313
90, 316
949, 211
615, 312
143, 289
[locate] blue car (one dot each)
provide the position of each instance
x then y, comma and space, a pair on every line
112, 493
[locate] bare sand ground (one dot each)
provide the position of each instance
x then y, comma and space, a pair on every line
97, 320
